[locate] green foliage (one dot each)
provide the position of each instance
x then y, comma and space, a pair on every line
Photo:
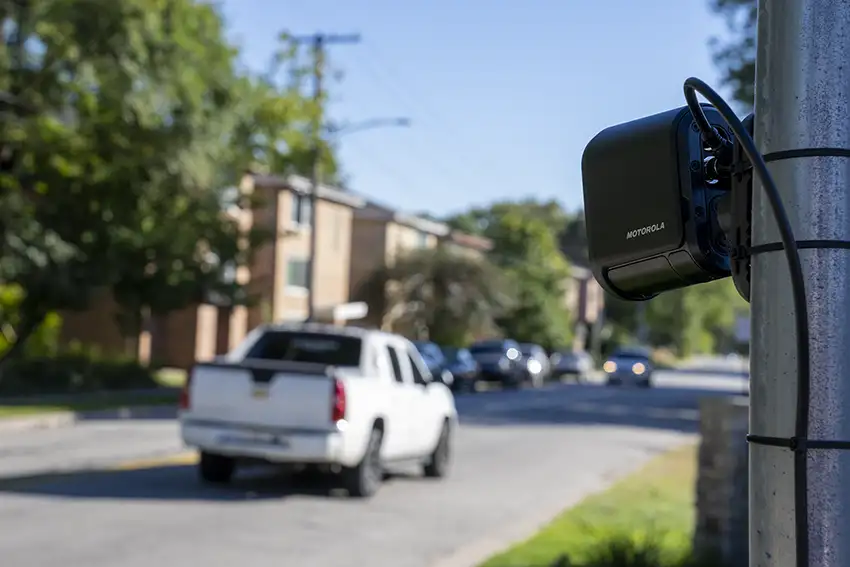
276, 124
480, 220
736, 57
124, 127
71, 373
698, 319
438, 295
44, 340
526, 247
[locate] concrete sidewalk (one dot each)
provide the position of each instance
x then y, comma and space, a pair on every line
55, 419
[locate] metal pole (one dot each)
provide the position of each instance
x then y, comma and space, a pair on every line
315, 174
802, 94
318, 42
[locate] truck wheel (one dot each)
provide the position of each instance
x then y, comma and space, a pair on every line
216, 469
437, 465
363, 480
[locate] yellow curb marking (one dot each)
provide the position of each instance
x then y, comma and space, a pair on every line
177, 459
185, 458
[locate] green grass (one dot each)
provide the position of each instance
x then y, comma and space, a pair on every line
105, 402
645, 520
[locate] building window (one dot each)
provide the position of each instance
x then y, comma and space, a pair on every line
421, 239
296, 274
300, 209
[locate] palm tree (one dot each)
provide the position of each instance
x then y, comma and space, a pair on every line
438, 295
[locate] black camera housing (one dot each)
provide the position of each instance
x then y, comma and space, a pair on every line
652, 204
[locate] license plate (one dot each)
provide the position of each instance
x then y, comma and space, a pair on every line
256, 439
260, 392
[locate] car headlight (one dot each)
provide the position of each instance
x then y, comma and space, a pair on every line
609, 366
504, 363
638, 368
534, 366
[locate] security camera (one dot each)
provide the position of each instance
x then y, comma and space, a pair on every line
657, 192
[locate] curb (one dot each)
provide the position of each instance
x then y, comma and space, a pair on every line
55, 420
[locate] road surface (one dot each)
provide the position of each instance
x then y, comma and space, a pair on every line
520, 457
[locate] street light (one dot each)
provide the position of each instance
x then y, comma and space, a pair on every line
334, 131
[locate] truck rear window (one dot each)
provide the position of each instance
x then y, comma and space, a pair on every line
333, 350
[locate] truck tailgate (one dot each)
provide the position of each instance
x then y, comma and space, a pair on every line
262, 393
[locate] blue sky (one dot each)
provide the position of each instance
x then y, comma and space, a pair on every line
502, 94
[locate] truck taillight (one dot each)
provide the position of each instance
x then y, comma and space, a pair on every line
338, 406
184, 393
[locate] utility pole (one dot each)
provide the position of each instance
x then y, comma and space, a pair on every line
801, 109
318, 43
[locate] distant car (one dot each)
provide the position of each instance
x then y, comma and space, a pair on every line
462, 365
569, 363
537, 364
629, 365
499, 360
436, 361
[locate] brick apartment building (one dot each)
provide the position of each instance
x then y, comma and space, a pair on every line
277, 278
355, 238
379, 234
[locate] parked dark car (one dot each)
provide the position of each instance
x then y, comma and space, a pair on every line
436, 361
578, 365
499, 361
463, 367
537, 367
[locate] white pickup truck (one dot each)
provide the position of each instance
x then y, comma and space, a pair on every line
350, 400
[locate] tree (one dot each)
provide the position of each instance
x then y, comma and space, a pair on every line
438, 295
274, 129
120, 118
699, 318
478, 220
737, 56
526, 248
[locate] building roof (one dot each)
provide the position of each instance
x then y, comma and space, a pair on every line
300, 184
374, 211
470, 241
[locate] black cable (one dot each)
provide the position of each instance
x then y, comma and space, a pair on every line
798, 290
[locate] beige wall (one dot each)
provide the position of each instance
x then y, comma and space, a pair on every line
200, 332
333, 247
401, 238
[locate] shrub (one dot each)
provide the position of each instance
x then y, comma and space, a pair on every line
73, 372
634, 550
44, 341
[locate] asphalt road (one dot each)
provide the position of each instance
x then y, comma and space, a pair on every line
520, 458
